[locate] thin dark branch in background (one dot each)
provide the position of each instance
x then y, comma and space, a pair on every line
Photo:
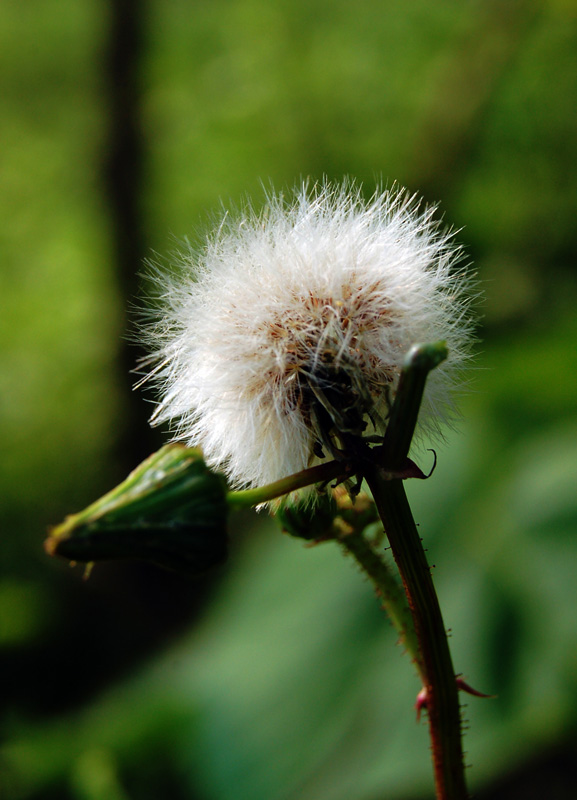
165, 603
123, 185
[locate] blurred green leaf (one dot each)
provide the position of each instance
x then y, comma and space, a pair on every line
23, 612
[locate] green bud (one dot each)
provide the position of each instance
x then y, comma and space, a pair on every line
308, 521
171, 511
333, 515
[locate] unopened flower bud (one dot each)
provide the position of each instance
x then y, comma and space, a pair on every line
171, 510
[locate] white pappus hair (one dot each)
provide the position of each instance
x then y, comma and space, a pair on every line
310, 304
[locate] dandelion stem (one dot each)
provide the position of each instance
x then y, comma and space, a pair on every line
420, 360
439, 682
323, 473
440, 690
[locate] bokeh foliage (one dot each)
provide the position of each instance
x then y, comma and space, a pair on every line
288, 685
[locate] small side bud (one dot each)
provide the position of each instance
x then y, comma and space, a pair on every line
307, 521
332, 516
171, 511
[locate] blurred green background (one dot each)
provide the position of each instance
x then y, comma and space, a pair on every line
123, 126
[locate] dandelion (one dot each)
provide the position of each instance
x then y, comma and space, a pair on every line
286, 334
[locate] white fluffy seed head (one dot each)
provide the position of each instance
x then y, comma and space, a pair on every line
311, 304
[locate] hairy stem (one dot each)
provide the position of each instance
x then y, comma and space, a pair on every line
389, 591
441, 693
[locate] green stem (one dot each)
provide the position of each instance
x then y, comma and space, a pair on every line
440, 691
390, 593
440, 685
323, 473
420, 360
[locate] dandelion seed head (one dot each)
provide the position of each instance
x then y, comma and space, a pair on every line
298, 318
